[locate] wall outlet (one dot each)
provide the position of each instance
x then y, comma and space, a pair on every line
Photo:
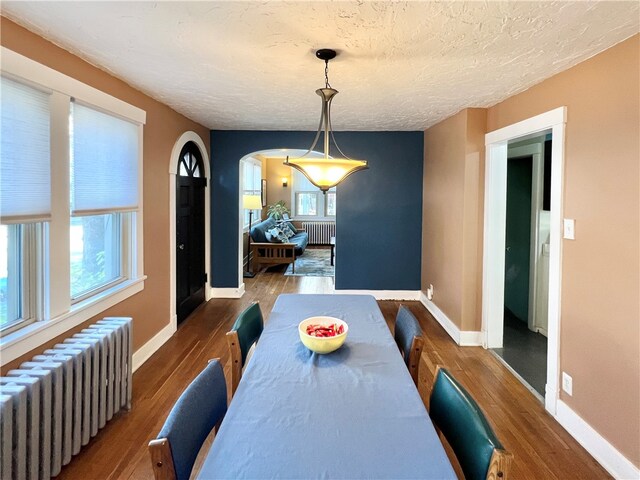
430, 292
567, 383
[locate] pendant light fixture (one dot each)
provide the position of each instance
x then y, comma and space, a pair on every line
326, 172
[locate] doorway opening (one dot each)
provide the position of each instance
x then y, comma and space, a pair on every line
494, 245
526, 274
262, 173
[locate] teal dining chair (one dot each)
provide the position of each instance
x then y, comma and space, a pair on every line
245, 332
459, 418
198, 411
408, 336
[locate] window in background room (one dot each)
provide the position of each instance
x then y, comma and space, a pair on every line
330, 209
251, 185
309, 201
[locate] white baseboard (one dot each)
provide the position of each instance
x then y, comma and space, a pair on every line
384, 294
470, 338
143, 353
462, 338
605, 454
232, 292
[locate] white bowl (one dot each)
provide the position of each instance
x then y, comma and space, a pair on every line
322, 344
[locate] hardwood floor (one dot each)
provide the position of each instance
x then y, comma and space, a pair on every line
542, 449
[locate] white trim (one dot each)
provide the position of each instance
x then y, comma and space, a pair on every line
598, 447
529, 127
495, 215
37, 73
494, 243
231, 292
173, 171
470, 338
36, 334
384, 294
462, 338
144, 352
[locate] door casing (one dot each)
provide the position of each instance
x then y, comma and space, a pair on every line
494, 237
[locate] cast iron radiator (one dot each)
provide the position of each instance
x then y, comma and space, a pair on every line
54, 404
320, 233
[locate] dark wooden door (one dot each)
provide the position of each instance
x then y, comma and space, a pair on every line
518, 236
190, 244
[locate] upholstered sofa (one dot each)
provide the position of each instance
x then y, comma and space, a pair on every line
267, 250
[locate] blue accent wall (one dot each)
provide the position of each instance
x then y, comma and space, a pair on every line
379, 210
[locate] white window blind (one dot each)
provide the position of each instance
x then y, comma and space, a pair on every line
25, 172
104, 162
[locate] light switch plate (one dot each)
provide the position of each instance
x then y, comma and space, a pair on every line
569, 229
567, 383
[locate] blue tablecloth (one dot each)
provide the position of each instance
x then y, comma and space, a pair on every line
354, 413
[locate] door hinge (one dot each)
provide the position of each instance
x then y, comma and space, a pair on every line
206, 278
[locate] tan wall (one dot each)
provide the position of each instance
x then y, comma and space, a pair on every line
149, 308
442, 212
275, 191
452, 215
600, 317
473, 219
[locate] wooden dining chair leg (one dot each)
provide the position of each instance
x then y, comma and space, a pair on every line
499, 465
162, 460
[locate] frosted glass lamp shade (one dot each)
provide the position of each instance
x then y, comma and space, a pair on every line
326, 173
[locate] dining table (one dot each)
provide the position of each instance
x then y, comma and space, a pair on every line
353, 413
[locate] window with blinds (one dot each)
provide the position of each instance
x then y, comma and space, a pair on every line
70, 201
25, 195
104, 185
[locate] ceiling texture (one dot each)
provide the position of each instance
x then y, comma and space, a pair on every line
401, 65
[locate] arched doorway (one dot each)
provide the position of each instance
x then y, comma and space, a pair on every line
190, 261
189, 173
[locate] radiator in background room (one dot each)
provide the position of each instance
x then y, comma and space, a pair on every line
54, 404
320, 233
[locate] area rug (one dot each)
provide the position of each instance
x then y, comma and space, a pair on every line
315, 262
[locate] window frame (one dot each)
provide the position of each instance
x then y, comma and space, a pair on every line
53, 312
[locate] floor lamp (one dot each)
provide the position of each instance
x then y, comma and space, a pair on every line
251, 203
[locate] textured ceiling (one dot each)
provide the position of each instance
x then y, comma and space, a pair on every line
402, 66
